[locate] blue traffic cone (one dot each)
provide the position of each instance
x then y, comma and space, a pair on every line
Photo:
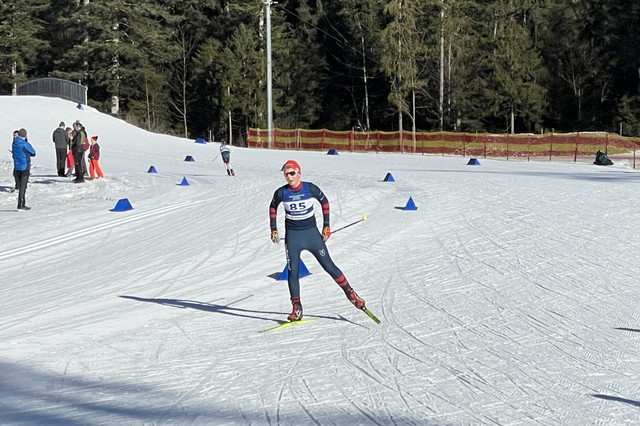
410, 205
332, 151
152, 169
473, 162
122, 205
184, 182
389, 178
303, 272
189, 158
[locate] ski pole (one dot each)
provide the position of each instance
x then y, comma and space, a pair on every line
364, 217
216, 157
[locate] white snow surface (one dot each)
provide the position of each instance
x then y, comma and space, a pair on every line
509, 297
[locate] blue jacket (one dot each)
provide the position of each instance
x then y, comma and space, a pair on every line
22, 153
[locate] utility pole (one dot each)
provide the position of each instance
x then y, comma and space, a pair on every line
269, 92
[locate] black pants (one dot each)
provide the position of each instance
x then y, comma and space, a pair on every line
78, 159
22, 178
61, 159
310, 240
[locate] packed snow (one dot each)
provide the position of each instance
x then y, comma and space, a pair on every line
509, 297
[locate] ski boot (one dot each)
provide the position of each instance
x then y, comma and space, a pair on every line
354, 298
296, 312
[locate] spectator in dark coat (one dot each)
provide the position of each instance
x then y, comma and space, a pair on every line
22, 152
78, 147
61, 141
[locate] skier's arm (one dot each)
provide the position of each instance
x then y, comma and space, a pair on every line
273, 208
324, 202
273, 215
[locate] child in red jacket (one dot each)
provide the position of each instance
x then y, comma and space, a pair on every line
94, 157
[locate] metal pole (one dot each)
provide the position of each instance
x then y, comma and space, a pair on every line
269, 93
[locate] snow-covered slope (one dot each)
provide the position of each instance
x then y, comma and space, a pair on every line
510, 296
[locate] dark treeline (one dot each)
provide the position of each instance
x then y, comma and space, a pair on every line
194, 67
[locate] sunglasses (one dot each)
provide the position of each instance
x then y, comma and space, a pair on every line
291, 173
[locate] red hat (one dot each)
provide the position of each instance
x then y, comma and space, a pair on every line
291, 164
94, 138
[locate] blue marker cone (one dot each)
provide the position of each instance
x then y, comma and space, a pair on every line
189, 158
389, 178
473, 162
184, 182
152, 169
410, 205
332, 151
122, 205
303, 272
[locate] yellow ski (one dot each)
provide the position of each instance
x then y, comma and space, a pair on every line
285, 324
371, 315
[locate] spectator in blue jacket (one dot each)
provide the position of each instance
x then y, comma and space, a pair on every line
22, 153
15, 177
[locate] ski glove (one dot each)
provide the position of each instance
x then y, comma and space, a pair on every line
275, 238
326, 233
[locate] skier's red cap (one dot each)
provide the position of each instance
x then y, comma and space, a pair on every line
291, 164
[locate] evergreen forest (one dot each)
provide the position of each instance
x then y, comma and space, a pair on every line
199, 67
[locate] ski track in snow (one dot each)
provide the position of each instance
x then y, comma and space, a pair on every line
508, 298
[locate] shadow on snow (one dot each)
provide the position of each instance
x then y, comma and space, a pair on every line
226, 309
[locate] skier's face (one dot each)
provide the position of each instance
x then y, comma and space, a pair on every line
292, 176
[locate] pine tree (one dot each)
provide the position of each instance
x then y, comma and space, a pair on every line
516, 69
21, 40
354, 73
402, 57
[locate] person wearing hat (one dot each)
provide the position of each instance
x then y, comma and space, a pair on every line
78, 147
301, 233
22, 152
61, 141
94, 156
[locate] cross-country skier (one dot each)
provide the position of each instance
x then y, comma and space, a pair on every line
301, 233
225, 151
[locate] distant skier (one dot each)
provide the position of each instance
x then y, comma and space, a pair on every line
225, 152
301, 233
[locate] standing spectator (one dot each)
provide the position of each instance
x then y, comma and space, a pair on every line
225, 151
94, 157
70, 161
302, 234
61, 141
22, 153
15, 176
78, 148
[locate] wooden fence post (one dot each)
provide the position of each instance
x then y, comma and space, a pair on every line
351, 137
